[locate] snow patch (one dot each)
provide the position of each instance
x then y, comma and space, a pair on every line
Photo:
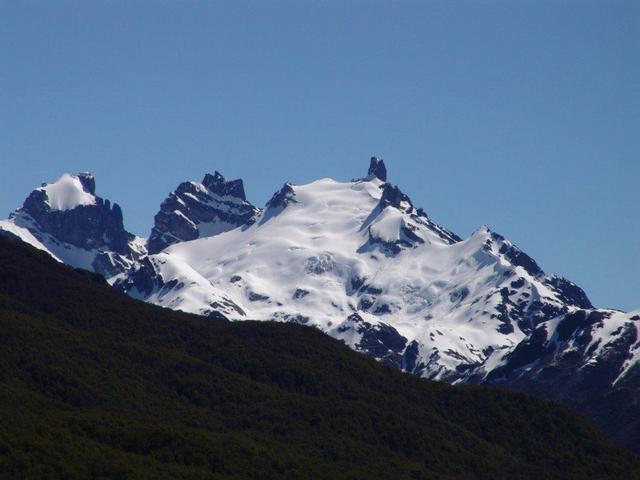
67, 193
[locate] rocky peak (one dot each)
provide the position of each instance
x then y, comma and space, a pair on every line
196, 210
88, 182
69, 210
218, 185
76, 225
282, 197
392, 196
377, 169
511, 252
566, 291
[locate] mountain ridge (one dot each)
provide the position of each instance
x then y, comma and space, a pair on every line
358, 261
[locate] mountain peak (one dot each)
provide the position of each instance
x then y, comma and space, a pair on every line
377, 169
482, 231
88, 182
69, 191
282, 197
393, 196
219, 185
67, 219
196, 210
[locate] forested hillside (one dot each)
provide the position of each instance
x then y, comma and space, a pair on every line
94, 384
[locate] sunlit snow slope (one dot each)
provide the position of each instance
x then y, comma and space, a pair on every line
358, 261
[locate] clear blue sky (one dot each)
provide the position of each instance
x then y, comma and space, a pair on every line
522, 115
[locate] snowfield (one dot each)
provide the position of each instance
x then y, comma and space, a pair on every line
67, 193
368, 268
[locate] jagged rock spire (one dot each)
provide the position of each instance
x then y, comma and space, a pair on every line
377, 169
196, 209
217, 184
392, 196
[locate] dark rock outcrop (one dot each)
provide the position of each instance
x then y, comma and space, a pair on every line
85, 226
377, 169
94, 225
282, 197
393, 197
195, 210
380, 341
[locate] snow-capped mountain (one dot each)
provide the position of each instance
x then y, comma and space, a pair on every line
75, 226
360, 262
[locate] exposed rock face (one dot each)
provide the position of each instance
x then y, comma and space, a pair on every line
195, 210
378, 340
377, 169
85, 226
393, 197
282, 197
218, 185
88, 182
408, 224
146, 280
588, 359
76, 226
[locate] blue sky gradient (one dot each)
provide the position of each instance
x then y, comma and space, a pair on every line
523, 115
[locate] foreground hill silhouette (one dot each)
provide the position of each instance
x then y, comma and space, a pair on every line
94, 384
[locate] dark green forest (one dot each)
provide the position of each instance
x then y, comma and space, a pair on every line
94, 384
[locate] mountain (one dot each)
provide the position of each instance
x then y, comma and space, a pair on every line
197, 210
360, 262
94, 384
69, 221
